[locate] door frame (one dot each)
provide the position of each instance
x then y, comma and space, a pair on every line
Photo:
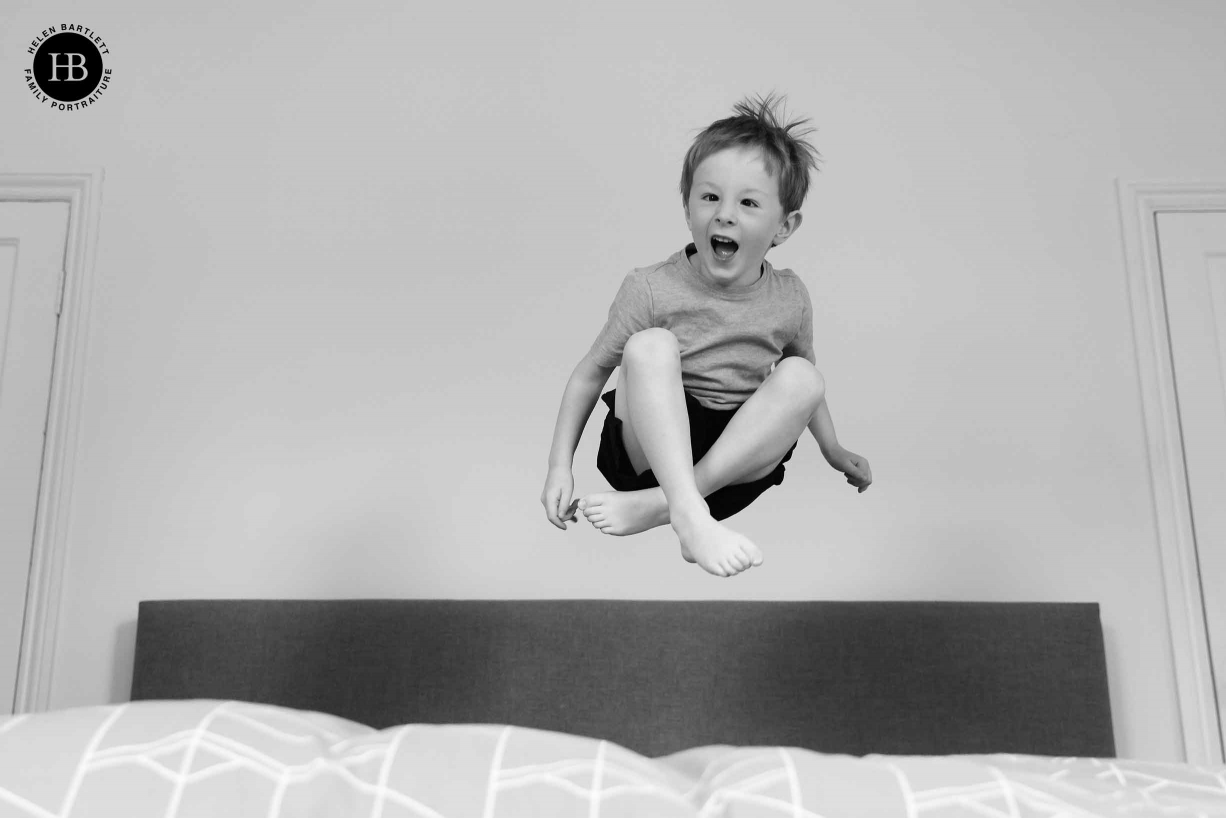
83, 193
1139, 204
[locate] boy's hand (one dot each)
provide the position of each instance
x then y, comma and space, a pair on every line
559, 485
854, 466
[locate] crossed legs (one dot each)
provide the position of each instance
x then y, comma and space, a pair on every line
655, 430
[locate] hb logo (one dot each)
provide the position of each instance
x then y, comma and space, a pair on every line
72, 63
68, 68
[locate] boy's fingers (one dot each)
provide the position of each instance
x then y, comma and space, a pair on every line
860, 481
551, 511
559, 515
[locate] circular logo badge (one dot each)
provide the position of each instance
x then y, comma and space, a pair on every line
68, 71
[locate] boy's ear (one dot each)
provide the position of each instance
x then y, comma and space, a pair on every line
789, 226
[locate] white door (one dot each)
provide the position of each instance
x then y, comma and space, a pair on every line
32, 239
1192, 249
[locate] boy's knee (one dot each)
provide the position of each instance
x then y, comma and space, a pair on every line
803, 378
651, 342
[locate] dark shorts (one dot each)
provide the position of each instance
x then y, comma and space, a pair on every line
706, 425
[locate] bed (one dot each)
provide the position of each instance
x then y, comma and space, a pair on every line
494, 708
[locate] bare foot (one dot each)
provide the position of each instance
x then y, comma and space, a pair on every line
714, 546
625, 512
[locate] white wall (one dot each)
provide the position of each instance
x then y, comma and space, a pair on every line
349, 256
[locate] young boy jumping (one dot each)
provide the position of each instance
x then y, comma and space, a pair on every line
718, 377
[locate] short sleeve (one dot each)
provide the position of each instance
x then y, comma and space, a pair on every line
802, 345
630, 312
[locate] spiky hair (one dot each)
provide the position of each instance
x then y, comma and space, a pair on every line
756, 123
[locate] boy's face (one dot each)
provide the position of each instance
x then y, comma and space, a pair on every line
735, 215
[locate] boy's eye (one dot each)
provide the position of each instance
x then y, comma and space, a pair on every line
709, 197
749, 202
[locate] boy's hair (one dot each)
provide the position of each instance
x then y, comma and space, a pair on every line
787, 156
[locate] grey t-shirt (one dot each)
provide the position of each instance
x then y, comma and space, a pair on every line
729, 338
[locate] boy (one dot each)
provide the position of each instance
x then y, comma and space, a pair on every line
715, 346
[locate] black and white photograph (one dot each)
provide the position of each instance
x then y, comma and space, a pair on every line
432, 410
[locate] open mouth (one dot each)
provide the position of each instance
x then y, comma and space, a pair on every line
723, 248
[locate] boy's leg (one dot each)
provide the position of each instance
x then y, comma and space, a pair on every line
765, 427
659, 423
750, 447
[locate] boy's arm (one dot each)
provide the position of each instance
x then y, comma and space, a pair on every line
578, 401
854, 466
821, 426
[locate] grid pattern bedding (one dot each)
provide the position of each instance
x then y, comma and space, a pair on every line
175, 759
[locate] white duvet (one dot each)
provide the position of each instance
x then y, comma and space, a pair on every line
219, 759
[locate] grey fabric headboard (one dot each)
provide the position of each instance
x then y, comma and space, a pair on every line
658, 676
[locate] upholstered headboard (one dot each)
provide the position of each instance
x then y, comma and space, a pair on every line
658, 676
